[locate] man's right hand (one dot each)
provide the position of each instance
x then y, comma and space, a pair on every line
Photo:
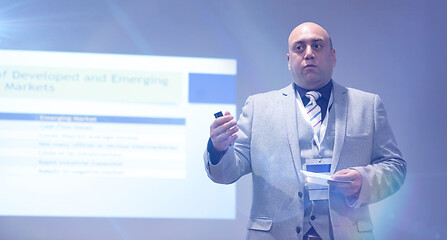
223, 132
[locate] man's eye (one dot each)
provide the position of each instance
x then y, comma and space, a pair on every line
316, 46
299, 48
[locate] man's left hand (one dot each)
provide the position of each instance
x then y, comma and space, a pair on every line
350, 188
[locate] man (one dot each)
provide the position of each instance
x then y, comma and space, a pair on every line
316, 125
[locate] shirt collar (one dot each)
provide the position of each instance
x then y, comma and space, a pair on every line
325, 91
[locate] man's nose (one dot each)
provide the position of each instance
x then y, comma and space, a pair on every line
309, 53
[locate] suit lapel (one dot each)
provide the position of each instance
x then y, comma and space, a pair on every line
290, 117
341, 108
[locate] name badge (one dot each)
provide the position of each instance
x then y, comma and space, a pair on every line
318, 189
318, 165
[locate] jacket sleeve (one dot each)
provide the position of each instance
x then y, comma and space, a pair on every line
387, 171
236, 161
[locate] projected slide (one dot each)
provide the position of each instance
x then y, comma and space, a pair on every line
101, 135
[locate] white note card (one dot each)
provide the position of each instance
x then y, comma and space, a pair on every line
322, 176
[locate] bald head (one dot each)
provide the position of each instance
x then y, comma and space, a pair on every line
311, 57
309, 27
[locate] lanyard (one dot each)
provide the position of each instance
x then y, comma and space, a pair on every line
323, 128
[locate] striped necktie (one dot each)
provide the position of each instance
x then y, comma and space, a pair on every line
313, 110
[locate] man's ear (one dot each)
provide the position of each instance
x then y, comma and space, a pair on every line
334, 58
288, 62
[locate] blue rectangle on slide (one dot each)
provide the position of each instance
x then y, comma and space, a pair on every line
212, 88
90, 119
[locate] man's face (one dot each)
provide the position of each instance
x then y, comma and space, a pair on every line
311, 57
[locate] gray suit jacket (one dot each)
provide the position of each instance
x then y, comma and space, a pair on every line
268, 148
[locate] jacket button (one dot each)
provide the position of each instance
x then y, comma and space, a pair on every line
312, 217
298, 229
300, 194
